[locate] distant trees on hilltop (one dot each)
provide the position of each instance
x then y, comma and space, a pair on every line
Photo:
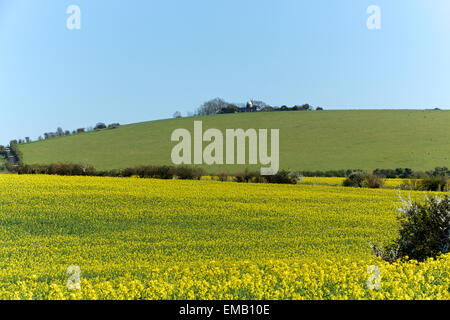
220, 106
62, 133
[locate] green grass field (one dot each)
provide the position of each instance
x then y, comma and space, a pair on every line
308, 140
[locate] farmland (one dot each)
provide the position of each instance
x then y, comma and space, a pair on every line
154, 239
322, 140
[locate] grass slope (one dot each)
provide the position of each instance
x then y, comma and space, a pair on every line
365, 139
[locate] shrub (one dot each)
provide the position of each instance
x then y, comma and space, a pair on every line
222, 176
68, 169
424, 231
363, 180
411, 184
15, 151
152, 172
372, 181
432, 183
283, 177
186, 173
248, 176
356, 180
61, 169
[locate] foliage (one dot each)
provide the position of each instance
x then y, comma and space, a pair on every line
248, 176
356, 180
177, 115
61, 169
186, 173
211, 107
283, 177
154, 172
231, 108
424, 231
411, 184
363, 180
100, 126
434, 183
372, 181
14, 148
402, 173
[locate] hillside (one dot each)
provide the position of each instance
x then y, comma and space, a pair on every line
319, 140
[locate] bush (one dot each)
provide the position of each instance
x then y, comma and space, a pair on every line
61, 169
113, 125
355, 180
411, 184
363, 180
248, 176
68, 169
186, 173
424, 231
222, 176
13, 146
432, 183
372, 181
152, 172
283, 177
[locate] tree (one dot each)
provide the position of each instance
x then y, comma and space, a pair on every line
177, 115
212, 107
59, 132
259, 104
229, 109
306, 107
27, 139
100, 126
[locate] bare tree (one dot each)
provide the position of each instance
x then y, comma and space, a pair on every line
259, 104
212, 107
177, 115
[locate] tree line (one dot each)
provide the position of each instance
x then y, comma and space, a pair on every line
63, 133
220, 106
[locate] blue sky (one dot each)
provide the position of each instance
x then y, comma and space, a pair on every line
140, 60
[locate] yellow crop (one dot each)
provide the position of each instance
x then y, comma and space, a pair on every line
158, 239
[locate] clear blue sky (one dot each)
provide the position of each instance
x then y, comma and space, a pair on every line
140, 60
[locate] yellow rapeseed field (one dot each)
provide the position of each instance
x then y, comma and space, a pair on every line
156, 239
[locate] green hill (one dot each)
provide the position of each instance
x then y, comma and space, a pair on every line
319, 140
